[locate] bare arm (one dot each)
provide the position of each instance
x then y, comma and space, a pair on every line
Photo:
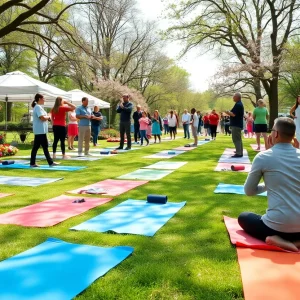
293, 109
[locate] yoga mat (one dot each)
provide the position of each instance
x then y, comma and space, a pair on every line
164, 154
111, 187
240, 238
43, 167
234, 160
158, 199
224, 188
166, 165
269, 274
185, 148
56, 270
59, 156
132, 216
254, 147
2, 195
50, 212
146, 174
26, 181
230, 151
227, 167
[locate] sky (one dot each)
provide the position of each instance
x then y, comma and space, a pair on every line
200, 67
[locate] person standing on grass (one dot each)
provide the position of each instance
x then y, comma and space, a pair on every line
124, 109
172, 120
213, 123
136, 116
72, 129
200, 123
186, 119
295, 113
279, 168
144, 123
156, 126
149, 127
227, 125
236, 123
95, 124
260, 117
166, 124
40, 130
84, 114
206, 124
194, 123
249, 124
58, 117
177, 120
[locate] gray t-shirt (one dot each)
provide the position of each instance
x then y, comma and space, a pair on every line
280, 169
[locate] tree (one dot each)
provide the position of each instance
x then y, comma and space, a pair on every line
254, 31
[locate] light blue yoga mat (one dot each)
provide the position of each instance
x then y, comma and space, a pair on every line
56, 270
146, 174
43, 167
26, 181
166, 165
132, 216
223, 188
164, 154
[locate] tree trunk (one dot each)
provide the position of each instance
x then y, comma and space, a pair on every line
257, 88
273, 100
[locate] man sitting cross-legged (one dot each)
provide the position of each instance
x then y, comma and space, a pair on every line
279, 166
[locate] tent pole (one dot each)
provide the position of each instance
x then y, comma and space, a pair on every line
6, 100
109, 118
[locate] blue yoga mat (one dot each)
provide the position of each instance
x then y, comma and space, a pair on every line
26, 181
146, 174
42, 167
56, 270
223, 188
132, 216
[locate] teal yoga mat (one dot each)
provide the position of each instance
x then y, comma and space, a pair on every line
146, 174
132, 216
43, 167
56, 270
26, 181
223, 188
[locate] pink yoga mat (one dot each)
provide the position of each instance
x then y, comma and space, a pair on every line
240, 238
2, 195
50, 212
111, 187
227, 167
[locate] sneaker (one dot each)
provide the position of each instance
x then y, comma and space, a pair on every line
80, 155
34, 166
236, 156
119, 148
127, 148
70, 148
54, 164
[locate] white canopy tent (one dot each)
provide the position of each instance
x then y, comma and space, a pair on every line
19, 87
77, 95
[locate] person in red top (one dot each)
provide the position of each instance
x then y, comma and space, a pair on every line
213, 123
58, 117
206, 124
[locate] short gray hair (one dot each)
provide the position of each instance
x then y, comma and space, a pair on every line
238, 94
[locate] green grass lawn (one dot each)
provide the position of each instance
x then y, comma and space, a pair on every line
189, 258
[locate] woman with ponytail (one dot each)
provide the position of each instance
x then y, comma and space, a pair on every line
40, 129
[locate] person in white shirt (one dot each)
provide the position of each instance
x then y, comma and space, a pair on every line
172, 123
185, 119
194, 123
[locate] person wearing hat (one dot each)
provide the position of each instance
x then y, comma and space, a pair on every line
136, 116
95, 124
124, 109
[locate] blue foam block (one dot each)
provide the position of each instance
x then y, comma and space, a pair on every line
8, 162
159, 199
56, 270
132, 216
42, 167
223, 188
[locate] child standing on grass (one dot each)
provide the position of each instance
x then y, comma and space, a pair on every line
144, 124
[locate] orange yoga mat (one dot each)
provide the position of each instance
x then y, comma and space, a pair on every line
269, 274
50, 212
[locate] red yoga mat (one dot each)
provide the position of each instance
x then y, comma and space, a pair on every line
269, 274
237, 167
111, 187
50, 212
